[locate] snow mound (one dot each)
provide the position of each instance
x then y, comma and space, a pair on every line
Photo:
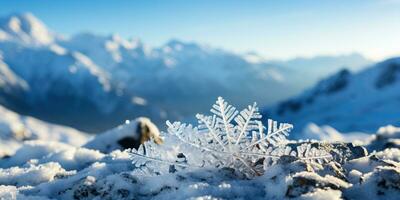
32, 175
16, 129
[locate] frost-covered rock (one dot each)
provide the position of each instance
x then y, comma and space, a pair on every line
387, 137
340, 151
382, 183
307, 182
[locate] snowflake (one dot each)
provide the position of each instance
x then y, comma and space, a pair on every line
226, 139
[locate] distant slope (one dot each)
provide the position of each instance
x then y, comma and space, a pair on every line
348, 102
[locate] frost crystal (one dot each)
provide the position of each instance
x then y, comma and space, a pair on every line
227, 138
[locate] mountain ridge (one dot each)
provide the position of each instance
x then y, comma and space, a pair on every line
348, 101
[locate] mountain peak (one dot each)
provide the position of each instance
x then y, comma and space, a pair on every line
25, 27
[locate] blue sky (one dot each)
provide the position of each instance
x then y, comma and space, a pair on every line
274, 29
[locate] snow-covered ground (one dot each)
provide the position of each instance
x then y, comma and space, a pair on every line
102, 169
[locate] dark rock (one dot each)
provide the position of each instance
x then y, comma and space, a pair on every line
5, 157
388, 75
388, 178
290, 105
339, 82
129, 143
387, 137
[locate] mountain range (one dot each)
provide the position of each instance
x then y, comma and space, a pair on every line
93, 82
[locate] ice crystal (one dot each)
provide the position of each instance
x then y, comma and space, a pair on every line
227, 138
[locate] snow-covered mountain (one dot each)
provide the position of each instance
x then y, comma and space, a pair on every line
94, 82
172, 74
25, 29
349, 102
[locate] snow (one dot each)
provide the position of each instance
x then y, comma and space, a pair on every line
40, 152
388, 131
12, 193
139, 101
320, 194
328, 133
27, 29
103, 169
16, 130
32, 175
44, 170
58, 49
389, 154
8, 79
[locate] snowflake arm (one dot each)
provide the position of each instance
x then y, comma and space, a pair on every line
226, 113
275, 135
245, 122
210, 124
